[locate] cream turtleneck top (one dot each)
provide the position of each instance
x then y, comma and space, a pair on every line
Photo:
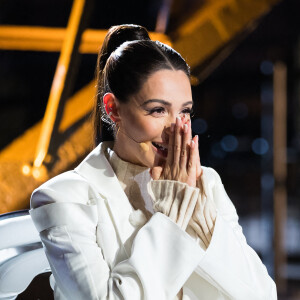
134, 180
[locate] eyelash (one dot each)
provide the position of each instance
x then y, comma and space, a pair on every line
160, 110
188, 111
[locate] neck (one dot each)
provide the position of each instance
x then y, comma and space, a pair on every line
127, 150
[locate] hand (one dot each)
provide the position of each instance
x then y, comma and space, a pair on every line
183, 162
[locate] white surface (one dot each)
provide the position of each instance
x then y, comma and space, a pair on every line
17, 273
17, 231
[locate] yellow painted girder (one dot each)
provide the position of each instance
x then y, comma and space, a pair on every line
26, 38
15, 186
210, 28
214, 24
59, 80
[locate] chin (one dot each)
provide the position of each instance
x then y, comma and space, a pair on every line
158, 160
152, 157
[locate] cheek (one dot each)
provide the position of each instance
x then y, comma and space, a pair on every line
146, 128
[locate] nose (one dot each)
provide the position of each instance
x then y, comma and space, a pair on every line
170, 120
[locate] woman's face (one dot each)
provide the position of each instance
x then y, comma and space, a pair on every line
148, 115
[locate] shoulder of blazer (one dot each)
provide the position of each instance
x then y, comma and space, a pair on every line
66, 187
94, 176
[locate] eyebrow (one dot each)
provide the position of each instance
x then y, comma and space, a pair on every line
164, 102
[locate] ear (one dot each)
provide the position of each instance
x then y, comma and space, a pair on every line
111, 105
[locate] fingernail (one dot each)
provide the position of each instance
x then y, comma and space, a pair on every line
172, 127
192, 144
178, 120
185, 128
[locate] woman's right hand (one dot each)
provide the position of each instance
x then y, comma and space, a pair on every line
183, 162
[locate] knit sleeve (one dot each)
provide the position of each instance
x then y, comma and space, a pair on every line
175, 199
203, 219
186, 206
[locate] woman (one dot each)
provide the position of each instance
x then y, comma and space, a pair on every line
140, 218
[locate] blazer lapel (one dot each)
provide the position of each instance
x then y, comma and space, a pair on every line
99, 173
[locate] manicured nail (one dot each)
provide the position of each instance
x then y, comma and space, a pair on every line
178, 120
192, 144
185, 128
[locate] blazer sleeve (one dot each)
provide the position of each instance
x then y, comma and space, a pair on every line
229, 263
163, 256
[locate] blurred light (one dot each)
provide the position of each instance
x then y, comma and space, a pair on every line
36, 173
217, 151
240, 110
229, 143
260, 146
26, 169
199, 126
266, 67
267, 181
40, 173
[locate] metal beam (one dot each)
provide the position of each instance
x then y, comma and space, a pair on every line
213, 26
63, 78
16, 172
26, 38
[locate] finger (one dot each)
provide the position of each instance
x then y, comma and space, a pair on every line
193, 157
199, 169
171, 145
156, 172
185, 145
177, 142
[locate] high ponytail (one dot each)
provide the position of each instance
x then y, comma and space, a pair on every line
115, 37
127, 59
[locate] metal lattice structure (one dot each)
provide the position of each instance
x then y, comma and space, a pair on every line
200, 39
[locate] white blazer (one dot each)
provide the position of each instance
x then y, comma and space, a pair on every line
96, 253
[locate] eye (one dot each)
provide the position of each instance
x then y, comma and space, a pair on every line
156, 110
187, 110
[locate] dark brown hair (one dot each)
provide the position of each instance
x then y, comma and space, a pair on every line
126, 60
